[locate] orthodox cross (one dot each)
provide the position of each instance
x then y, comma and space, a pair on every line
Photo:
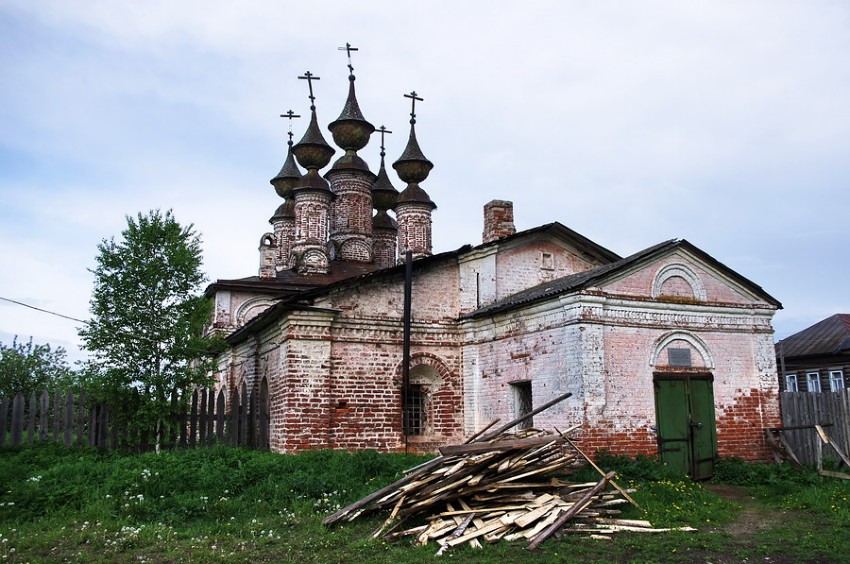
383, 130
413, 97
348, 49
291, 115
308, 76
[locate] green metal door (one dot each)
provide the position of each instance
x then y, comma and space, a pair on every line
684, 411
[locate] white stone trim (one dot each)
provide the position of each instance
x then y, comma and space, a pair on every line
689, 338
682, 271
240, 312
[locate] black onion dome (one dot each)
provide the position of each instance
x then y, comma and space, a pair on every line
412, 166
350, 160
288, 176
382, 220
313, 152
284, 211
414, 194
384, 194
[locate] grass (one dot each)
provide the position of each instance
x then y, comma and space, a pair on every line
225, 504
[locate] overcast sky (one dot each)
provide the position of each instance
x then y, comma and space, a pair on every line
723, 123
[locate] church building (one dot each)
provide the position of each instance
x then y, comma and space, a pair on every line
666, 352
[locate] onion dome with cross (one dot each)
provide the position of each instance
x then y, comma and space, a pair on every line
412, 166
351, 131
312, 152
289, 174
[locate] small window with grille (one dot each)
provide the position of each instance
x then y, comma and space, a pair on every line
414, 410
522, 403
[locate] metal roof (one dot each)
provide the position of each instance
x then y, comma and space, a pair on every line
827, 337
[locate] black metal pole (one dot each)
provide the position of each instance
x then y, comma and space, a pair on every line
405, 360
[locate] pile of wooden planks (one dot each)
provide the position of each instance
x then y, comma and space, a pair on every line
502, 486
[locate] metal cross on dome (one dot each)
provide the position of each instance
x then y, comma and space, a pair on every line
413, 98
290, 115
309, 77
348, 49
383, 130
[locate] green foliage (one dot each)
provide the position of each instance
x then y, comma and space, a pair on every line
145, 331
778, 478
640, 468
680, 502
229, 504
28, 367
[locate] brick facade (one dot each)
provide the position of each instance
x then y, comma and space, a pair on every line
334, 371
543, 311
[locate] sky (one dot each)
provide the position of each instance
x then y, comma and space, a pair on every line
726, 123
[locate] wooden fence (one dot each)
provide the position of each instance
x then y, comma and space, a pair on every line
73, 420
830, 410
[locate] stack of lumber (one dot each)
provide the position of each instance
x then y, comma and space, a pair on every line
507, 486
499, 485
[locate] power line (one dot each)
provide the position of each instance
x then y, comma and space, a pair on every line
43, 310
16, 302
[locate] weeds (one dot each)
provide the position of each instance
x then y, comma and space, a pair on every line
225, 504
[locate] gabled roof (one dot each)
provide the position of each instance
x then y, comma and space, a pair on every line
828, 337
285, 287
594, 276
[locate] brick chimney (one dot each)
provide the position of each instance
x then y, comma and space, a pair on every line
498, 220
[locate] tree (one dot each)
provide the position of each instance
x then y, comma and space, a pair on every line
27, 367
147, 318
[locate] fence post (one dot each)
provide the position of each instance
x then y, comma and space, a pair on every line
45, 406
69, 418
193, 423
264, 415
252, 418
17, 419
4, 417
31, 419
183, 438
234, 416
57, 416
82, 420
219, 416
202, 422
243, 416
210, 415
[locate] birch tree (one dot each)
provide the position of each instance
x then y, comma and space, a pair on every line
147, 316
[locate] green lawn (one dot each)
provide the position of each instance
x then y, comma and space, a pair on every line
230, 505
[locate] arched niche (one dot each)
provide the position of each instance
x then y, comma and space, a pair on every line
678, 281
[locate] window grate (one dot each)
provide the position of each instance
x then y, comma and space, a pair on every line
414, 410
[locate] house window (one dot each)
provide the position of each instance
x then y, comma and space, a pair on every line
547, 261
791, 383
836, 380
813, 381
414, 410
522, 403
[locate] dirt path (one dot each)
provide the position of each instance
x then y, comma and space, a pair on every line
754, 516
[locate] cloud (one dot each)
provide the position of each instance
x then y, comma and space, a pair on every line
723, 123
